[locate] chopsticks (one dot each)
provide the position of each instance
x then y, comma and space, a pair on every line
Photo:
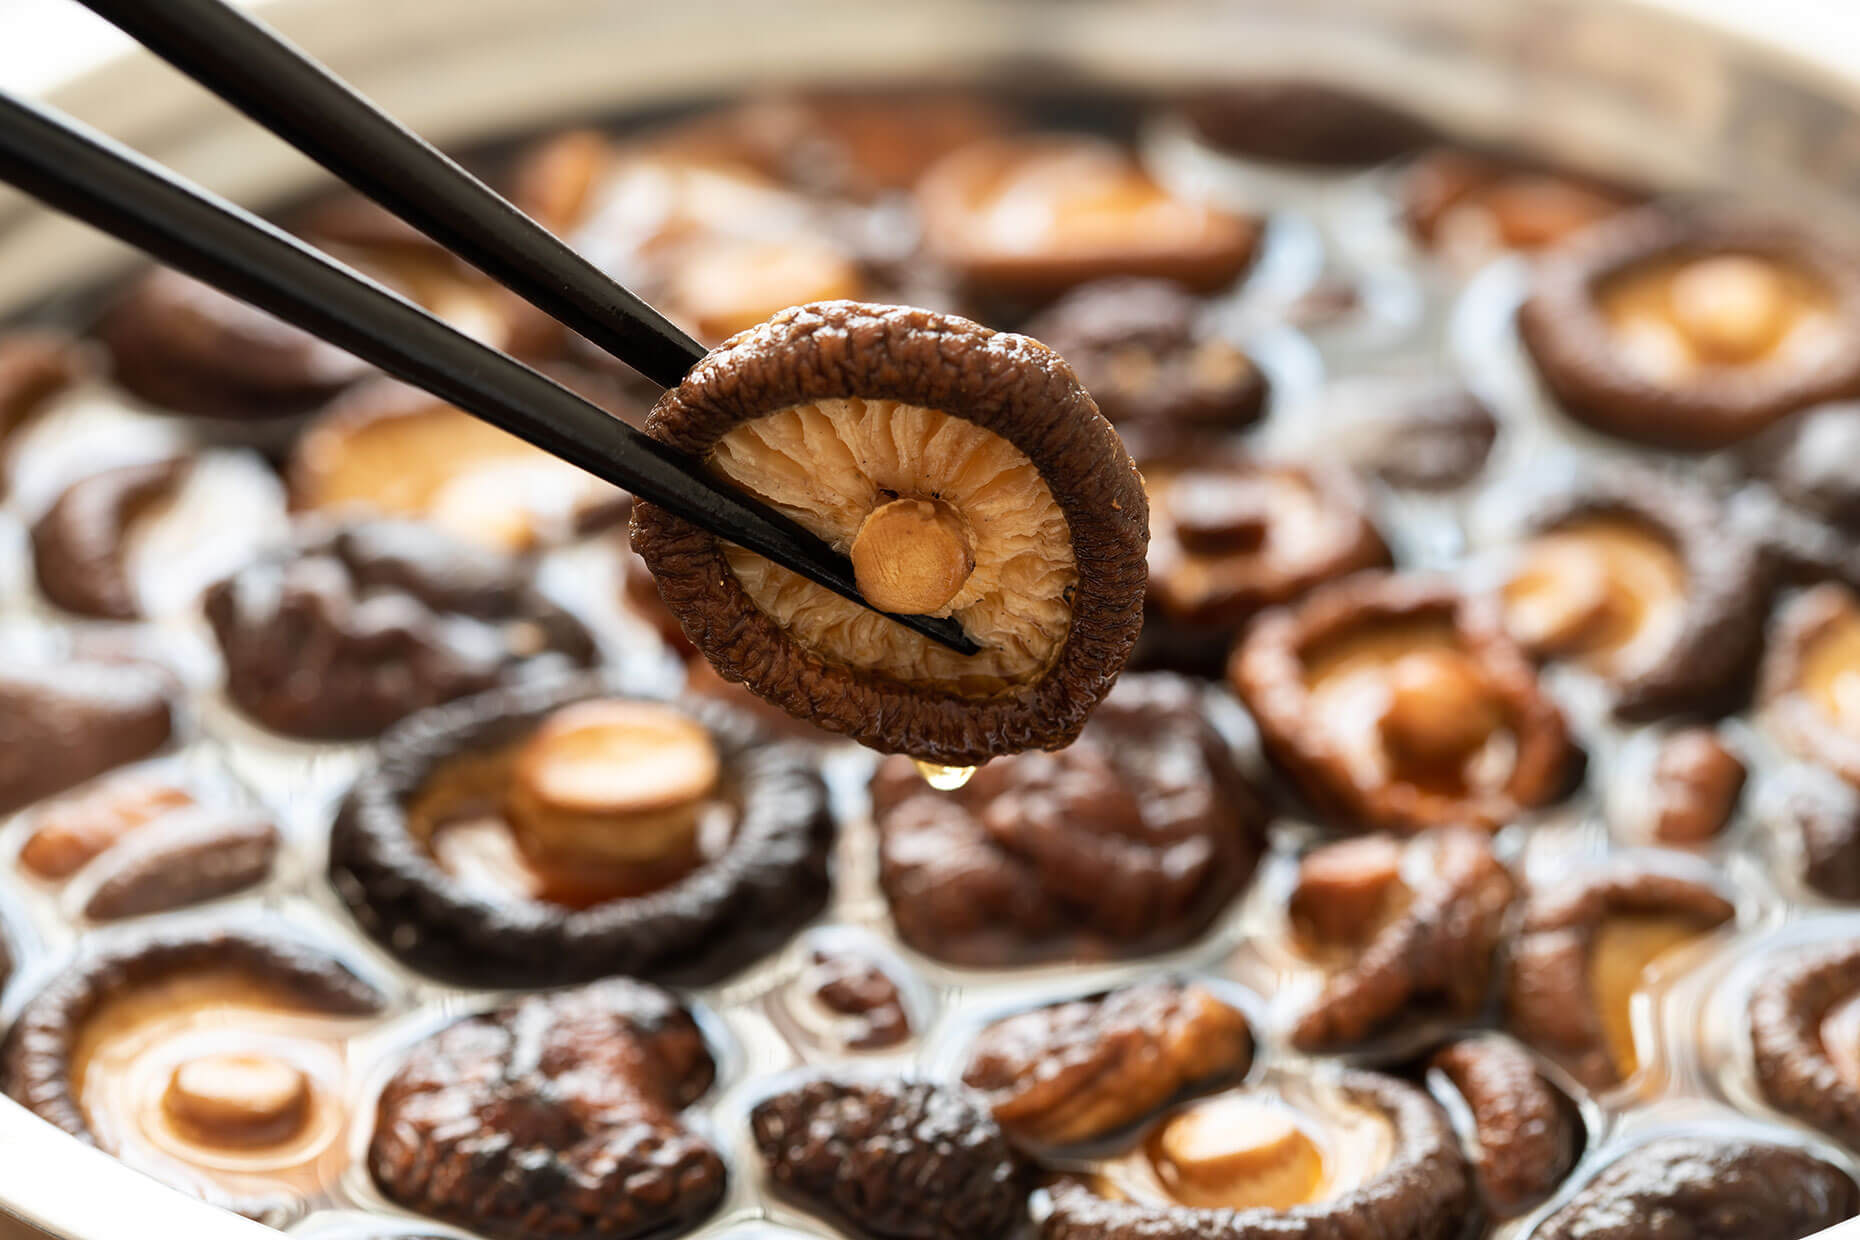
103, 183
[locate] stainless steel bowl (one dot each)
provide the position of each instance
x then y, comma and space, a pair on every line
1622, 86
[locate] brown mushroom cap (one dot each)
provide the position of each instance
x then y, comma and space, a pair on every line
1451, 195
1582, 362
1814, 647
1796, 1006
78, 552
1306, 122
1270, 670
61, 724
1021, 395
1528, 1131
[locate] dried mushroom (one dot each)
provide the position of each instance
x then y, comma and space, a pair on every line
1159, 365
1813, 649
213, 1060
1640, 581
967, 474
1306, 122
1130, 840
895, 1158
1400, 933
1696, 783
1807, 458
1707, 1188
1526, 1132
1229, 541
556, 833
1078, 1070
1805, 1038
1462, 202
78, 544
1821, 815
1349, 1155
1416, 433
1693, 332
34, 367
61, 724
349, 630
186, 347
1585, 947
554, 1114
1029, 217
392, 450
1400, 702
863, 1008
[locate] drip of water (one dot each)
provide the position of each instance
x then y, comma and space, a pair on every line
944, 778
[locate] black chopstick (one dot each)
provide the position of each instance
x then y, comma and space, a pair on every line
249, 66
105, 184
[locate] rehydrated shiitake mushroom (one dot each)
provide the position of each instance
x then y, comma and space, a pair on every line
1400, 702
1814, 651
1400, 927
1707, 1187
1078, 1070
1027, 217
238, 1037
1640, 580
558, 832
34, 367
1696, 782
1159, 363
967, 474
389, 449
897, 1159
554, 1114
352, 628
1471, 203
1131, 840
1583, 950
64, 723
1805, 1037
1416, 432
858, 1002
1693, 331
1819, 813
78, 544
187, 347
1352, 1154
1229, 540
1807, 458
1293, 121
1526, 1132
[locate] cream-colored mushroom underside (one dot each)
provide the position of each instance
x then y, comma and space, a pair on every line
830, 463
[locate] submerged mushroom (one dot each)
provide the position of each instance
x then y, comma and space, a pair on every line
1526, 1132
1805, 1037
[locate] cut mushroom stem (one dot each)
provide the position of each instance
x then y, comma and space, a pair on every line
238, 1100
912, 557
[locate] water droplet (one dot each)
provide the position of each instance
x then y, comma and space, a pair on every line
944, 778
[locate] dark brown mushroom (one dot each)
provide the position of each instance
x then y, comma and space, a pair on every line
78, 551
899, 1159
1421, 433
1028, 217
269, 1088
967, 474
530, 836
1528, 1132
1076, 1071
180, 858
1130, 840
1805, 1037
1814, 648
554, 1114
1400, 702
1641, 581
349, 630
1820, 814
1426, 940
864, 1008
1805, 458
1256, 1173
34, 367
1707, 1188
1464, 201
1229, 541
1692, 332
1305, 122
1696, 784
61, 724
1583, 950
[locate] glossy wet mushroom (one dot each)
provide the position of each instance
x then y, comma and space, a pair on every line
1350, 1153
1693, 331
897, 1159
965, 472
1400, 702
215, 1060
79, 551
1129, 841
354, 627
561, 832
1078, 1070
1583, 951
1805, 1037
1526, 1133
1806, 693
1228, 541
559, 1114
1402, 930
1714, 1187
1641, 582
64, 723
852, 1001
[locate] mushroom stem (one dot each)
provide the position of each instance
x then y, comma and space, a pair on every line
912, 556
